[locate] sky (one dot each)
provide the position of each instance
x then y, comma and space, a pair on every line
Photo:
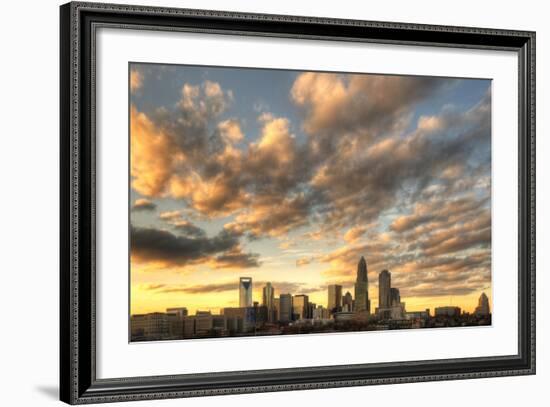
291, 176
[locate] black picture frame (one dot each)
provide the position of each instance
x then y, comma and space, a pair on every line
78, 382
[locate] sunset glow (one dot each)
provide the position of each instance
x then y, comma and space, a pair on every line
290, 177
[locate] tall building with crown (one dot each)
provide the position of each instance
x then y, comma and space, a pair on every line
362, 302
245, 292
483, 305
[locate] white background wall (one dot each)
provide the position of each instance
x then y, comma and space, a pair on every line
29, 163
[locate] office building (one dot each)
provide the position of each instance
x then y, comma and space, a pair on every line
150, 326
179, 311
268, 296
285, 307
175, 318
447, 311
418, 314
276, 306
320, 313
347, 302
362, 302
300, 306
384, 292
394, 312
203, 322
395, 297
310, 309
334, 298
260, 314
189, 326
243, 317
245, 292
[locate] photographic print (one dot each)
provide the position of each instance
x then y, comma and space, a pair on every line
275, 202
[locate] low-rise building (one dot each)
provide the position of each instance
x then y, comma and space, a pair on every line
447, 311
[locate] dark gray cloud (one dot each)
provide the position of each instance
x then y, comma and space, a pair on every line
189, 229
201, 289
154, 245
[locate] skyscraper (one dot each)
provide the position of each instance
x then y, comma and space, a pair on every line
245, 292
285, 307
347, 302
384, 289
276, 309
483, 305
267, 301
300, 305
362, 302
334, 297
395, 297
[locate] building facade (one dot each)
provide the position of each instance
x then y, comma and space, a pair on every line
395, 297
448, 311
347, 302
362, 302
483, 305
334, 297
285, 307
384, 289
245, 292
300, 306
268, 296
151, 326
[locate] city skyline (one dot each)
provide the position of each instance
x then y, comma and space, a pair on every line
268, 293
289, 177
296, 314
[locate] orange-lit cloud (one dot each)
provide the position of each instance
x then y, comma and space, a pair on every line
136, 80
143, 204
151, 155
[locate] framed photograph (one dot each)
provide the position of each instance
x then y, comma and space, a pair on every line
255, 203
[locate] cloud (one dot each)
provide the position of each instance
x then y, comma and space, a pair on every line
274, 184
202, 289
149, 245
304, 261
280, 287
170, 215
444, 246
167, 144
459, 243
149, 286
439, 210
357, 184
411, 193
182, 226
354, 233
230, 131
188, 229
151, 155
236, 258
347, 103
143, 204
136, 80
269, 218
